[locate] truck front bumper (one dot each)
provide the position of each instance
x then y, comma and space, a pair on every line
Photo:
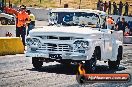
64, 55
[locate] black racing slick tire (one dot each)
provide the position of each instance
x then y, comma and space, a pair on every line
36, 63
90, 65
115, 64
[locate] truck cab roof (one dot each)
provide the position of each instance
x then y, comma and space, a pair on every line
77, 10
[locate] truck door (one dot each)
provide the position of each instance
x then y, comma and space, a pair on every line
107, 45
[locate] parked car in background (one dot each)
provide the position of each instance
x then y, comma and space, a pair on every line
7, 19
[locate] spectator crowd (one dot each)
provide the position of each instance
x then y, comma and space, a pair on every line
123, 25
113, 7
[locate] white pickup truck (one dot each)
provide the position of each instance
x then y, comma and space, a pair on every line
75, 44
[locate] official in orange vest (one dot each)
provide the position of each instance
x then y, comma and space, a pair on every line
22, 18
110, 22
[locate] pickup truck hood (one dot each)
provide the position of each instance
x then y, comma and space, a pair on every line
63, 31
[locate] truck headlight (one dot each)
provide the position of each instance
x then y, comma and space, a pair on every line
29, 41
33, 42
81, 45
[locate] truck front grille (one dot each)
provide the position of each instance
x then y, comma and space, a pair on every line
55, 37
55, 47
58, 38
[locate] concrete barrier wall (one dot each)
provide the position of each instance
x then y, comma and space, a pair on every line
11, 45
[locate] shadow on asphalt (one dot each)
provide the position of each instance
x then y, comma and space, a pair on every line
73, 69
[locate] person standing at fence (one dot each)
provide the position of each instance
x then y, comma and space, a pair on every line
122, 25
98, 5
31, 20
22, 17
109, 8
114, 8
101, 5
105, 6
126, 9
120, 7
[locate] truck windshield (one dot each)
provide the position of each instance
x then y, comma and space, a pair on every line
74, 18
103, 23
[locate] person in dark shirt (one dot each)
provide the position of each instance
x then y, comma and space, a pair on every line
101, 5
115, 8
109, 8
98, 4
122, 25
120, 8
105, 6
126, 9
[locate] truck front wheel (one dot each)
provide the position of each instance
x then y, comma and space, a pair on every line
90, 65
36, 63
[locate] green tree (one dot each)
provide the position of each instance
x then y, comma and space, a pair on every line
60, 2
40, 1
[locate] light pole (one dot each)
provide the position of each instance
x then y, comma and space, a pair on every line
60, 2
9, 3
80, 4
5, 2
40, 1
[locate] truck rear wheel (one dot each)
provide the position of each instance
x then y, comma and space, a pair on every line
36, 63
90, 65
115, 64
